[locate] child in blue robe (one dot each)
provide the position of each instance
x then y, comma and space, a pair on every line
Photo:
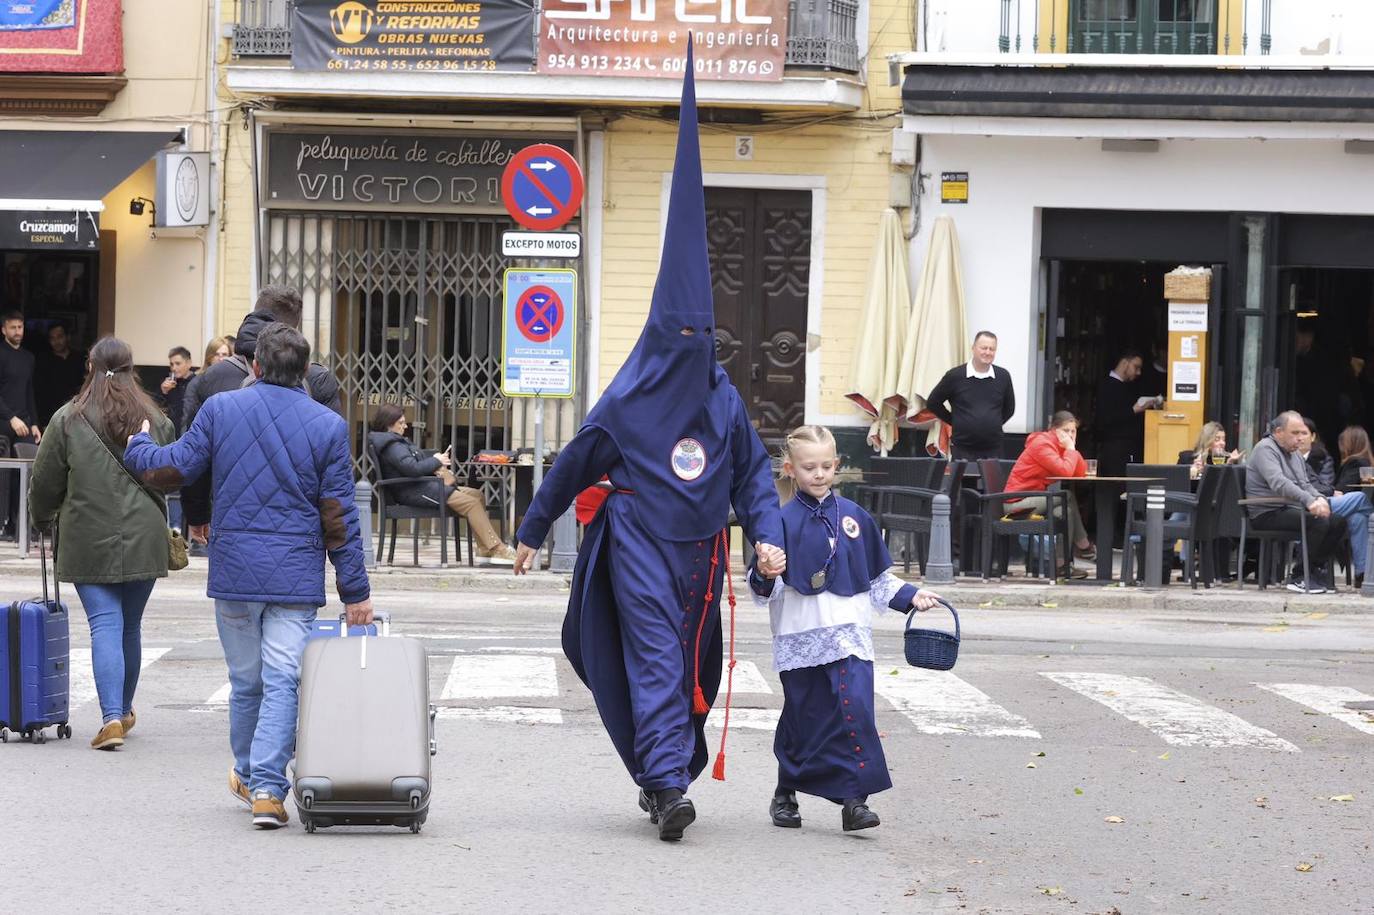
821, 608
673, 437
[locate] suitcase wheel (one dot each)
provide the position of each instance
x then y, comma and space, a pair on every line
309, 826
415, 827
4, 735
65, 731
39, 737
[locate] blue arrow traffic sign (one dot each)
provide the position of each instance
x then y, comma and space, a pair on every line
542, 187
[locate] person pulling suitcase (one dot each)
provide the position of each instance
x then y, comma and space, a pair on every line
268, 546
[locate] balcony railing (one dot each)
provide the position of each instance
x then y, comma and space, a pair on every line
1133, 26
821, 34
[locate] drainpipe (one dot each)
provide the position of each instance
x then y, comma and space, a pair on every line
212, 232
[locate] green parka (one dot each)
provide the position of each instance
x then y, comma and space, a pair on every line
110, 529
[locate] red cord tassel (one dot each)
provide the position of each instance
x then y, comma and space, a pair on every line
718, 772
699, 706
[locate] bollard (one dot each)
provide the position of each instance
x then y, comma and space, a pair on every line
1367, 589
939, 569
362, 497
564, 543
1154, 537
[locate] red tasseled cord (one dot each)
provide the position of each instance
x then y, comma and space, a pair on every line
699, 706
718, 773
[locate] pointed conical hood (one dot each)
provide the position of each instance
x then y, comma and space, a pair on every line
670, 408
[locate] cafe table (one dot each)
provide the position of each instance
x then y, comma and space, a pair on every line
1107, 490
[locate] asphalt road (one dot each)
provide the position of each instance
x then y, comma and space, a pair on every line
1193, 732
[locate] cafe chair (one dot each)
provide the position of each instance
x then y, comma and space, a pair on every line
1268, 538
997, 524
907, 510
1178, 500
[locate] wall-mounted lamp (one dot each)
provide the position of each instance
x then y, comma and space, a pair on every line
137, 205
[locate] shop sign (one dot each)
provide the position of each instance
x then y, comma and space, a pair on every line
426, 172
954, 187
456, 36
1188, 317
52, 230
734, 39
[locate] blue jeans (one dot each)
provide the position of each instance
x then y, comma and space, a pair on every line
1354, 508
263, 644
115, 612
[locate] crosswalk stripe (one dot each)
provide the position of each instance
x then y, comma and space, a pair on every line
1329, 700
754, 719
748, 679
1175, 717
490, 676
503, 714
81, 683
938, 702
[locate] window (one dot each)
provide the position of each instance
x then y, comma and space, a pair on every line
1144, 27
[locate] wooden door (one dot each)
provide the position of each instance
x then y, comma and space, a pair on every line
760, 248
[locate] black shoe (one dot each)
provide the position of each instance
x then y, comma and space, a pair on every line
1359, 582
647, 804
675, 813
784, 811
856, 815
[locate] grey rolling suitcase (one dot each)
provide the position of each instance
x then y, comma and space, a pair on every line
365, 732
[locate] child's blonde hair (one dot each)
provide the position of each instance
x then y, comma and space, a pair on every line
807, 435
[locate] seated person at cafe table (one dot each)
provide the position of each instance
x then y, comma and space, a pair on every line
1210, 449
1276, 471
1355, 457
1321, 469
1053, 453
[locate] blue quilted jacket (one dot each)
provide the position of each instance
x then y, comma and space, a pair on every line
282, 491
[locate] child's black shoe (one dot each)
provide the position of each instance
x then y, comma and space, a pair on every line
856, 815
784, 810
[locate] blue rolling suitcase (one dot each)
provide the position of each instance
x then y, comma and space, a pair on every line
34, 673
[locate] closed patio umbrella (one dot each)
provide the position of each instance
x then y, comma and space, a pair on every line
873, 372
936, 337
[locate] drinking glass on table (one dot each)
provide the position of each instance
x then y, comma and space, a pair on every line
1367, 475
1219, 458
1092, 466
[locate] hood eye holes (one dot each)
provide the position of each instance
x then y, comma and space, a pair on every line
688, 331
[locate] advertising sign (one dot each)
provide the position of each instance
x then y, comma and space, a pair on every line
734, 39
541, 244
413, 35
539, 333
51, 230
427, 172
183, 188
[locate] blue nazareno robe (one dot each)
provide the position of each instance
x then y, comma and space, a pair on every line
672, 434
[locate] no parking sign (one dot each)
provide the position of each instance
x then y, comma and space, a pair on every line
538, 333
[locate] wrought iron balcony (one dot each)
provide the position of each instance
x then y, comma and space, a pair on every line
821, 34
1133, 26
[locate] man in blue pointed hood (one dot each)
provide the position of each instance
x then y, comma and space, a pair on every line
672, 436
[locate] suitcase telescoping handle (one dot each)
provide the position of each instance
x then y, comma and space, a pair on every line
43, 563
377, 615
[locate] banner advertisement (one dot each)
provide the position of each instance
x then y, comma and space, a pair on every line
735, 39
28, 15
50, 229
413, 35
428, 172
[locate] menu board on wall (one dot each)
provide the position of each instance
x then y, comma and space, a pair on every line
734, 39
413, 35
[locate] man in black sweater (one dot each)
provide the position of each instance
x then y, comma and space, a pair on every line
1119, 416
17, 407
980, 401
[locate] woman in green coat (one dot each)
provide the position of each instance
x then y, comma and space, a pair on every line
113, 531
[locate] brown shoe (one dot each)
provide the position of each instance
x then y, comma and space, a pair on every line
238, 789
268, 812
499, 555
110, 737
128, 721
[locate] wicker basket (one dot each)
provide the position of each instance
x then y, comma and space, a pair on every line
1188, 287
930, 648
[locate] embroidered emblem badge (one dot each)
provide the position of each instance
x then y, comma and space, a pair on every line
689, 459
851, 527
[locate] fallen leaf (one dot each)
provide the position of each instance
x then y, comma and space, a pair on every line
1262, 801
1280, 628
1303, 866
882, 734
1164, 755
1032, 766
975, 860
1342, 797
1040, 754
1114, 820
1049, 604
1078, 791
893, 672
1051, 890
1316, 616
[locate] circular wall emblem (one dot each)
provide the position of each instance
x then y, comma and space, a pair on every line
851, 527
187, 189
689, 459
